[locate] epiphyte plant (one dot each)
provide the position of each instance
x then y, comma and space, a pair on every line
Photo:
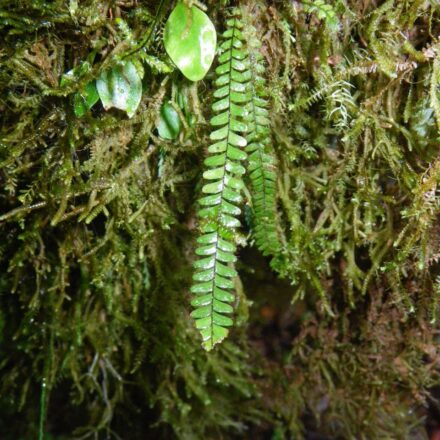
190, 40
222, 192
261, 160
240, 126
241, 141
98, 225
121, 87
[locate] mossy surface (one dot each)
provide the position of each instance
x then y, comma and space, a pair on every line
335, 336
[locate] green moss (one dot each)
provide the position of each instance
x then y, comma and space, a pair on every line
97, 226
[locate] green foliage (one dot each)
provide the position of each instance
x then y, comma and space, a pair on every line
84, 101
190, 40
121, 87
169, 125
243, 122
323, 11
97, 225
261, 160
217, 240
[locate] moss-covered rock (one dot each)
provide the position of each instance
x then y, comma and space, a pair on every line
336, 335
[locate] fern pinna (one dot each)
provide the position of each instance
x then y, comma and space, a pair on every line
218, 216
261, 158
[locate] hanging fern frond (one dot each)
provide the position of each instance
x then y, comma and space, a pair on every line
216, 244
261, 165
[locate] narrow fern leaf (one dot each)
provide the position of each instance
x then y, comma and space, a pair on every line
261, 159
219, 206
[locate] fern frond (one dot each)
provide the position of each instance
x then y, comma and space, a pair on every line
261, 160
214, 274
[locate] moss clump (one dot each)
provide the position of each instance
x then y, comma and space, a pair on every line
97, 225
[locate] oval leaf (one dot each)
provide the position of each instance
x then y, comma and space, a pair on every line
190, 40
120, 87
169, 122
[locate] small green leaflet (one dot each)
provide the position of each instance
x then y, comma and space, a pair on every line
120, 87
169, 122
190, 40
84, 101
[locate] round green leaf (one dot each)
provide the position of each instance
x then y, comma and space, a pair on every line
190, 40
169, 123
120, 87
